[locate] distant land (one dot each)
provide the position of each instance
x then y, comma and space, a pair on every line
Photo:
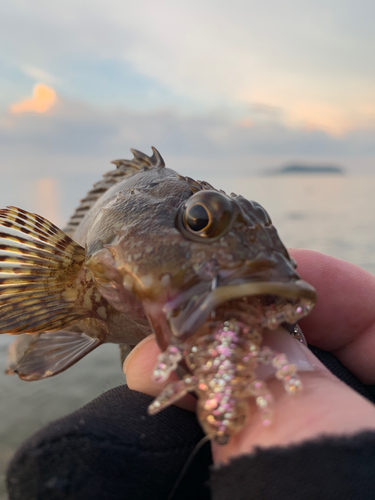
299, 168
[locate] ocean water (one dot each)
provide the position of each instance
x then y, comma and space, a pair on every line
331, 214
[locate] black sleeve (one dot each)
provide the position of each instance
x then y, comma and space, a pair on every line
111, 450
325, 469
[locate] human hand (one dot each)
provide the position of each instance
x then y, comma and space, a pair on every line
342, 322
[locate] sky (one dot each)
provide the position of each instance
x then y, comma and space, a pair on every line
221, 88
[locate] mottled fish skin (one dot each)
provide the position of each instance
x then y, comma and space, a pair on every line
152, 251
132, 229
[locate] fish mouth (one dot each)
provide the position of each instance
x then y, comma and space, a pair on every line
264, 304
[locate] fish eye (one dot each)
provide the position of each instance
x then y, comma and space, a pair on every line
206, 214
197, 218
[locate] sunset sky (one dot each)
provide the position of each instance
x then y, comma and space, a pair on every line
220, 88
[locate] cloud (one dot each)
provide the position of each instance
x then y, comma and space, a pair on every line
47, 157
39, 74
79, 137
322, 116
222, 89
302, 56
42, 100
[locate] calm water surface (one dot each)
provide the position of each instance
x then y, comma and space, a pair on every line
331, 214
334, 215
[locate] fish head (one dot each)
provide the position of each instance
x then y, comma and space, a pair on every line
188, 253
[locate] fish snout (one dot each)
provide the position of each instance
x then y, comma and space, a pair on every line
265, 303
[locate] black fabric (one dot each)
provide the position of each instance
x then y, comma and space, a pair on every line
328, 469
111, 450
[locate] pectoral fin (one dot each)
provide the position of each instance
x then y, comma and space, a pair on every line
34, 357
39, 267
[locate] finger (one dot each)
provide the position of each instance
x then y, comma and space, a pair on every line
138, 368
343, 320
139, 365
324, 407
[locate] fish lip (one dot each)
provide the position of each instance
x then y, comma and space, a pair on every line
184, 321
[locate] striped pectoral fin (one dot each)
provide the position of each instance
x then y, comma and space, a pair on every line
39, 266
34, 357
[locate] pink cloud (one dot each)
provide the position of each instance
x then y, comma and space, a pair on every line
42, 100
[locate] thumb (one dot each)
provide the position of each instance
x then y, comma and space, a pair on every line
325, 406
139, 366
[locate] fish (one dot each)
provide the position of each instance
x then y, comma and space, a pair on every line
151, 251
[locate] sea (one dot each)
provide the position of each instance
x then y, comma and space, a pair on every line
333, 214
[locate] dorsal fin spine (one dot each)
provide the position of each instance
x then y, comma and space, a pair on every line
141, 160
124, 169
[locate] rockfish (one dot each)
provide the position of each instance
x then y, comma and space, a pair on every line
150, 251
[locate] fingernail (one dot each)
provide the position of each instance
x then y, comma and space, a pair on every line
150, 338
281, 341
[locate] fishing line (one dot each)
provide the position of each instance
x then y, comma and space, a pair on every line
187, 464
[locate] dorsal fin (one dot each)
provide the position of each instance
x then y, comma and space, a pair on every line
141, 161
125, 168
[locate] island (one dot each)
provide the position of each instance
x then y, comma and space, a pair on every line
299, 168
